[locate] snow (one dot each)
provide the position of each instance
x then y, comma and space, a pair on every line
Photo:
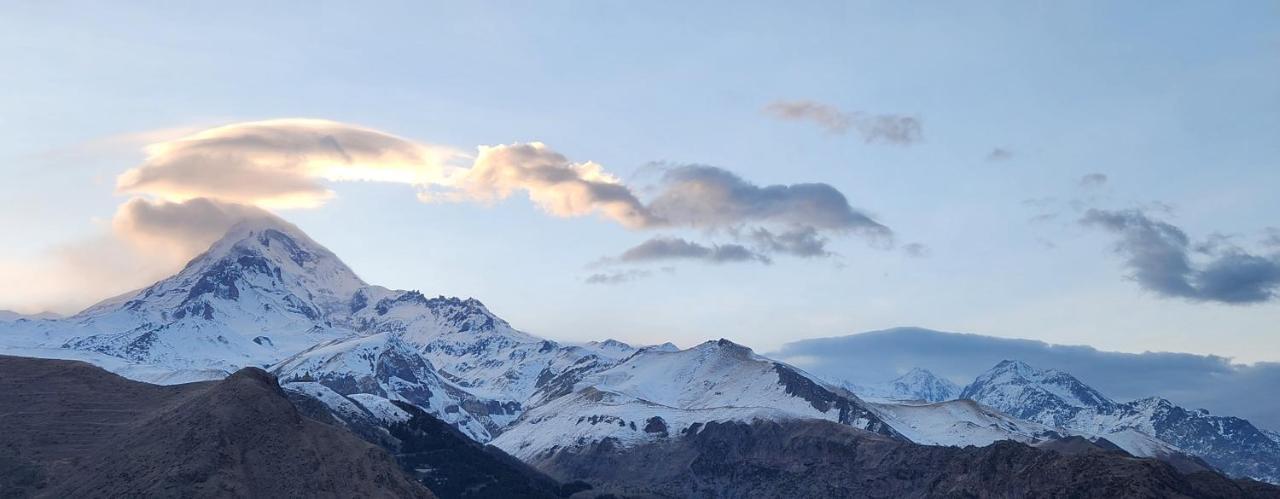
382, 409
341, 406
958, 423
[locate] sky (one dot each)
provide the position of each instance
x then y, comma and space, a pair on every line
1084, 173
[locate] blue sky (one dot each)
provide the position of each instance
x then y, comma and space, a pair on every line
1176, 103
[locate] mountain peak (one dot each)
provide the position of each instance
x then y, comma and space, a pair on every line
262, 289
1044, 395
921, 384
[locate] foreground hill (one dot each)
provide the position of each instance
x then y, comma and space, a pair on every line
74, 430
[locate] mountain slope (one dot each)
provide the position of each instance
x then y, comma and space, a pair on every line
1058, 399
657, 394
816, 458
73, 430
959, 423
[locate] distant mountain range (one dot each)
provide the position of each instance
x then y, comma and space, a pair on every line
389, 364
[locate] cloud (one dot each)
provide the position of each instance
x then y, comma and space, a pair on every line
802, 242
999, 154
1271, 237
281, 163
191, 186
792, 219
617, 277
707, 197
293, 163
1093, 180
557, 185
674, 248
917, 250
889, 128
1195, 381
183, 229
146, 241
1158, 254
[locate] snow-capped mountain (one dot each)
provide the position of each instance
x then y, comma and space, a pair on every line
261, 293
1057, 399
657, 394
916, 385
1048, 397
267, 295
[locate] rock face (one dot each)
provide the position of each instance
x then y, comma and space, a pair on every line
1058, 399
73, 430
825, 459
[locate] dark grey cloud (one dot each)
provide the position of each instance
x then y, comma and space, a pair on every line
707, 197
1159, 256
1194, 381
617, 277
999, 154
674, 248
793, 219
888, 128
1093, 180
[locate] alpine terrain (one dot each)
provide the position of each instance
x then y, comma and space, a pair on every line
284, 342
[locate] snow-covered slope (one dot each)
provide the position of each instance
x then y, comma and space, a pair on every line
959, 423
384, 366
1147, 427
656, 394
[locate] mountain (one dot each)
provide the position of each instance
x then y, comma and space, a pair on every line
657, 394
1057, 399
449, 356
380, 365
1048, 397
816, 458
370, 358
916, 385
452, 464
74, 430
920, 384
262, 292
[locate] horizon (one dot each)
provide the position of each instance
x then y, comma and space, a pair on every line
762, 173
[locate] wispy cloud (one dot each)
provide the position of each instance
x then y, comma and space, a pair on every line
889, 128
1093, 180
999, 154
673, 248
617, 277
